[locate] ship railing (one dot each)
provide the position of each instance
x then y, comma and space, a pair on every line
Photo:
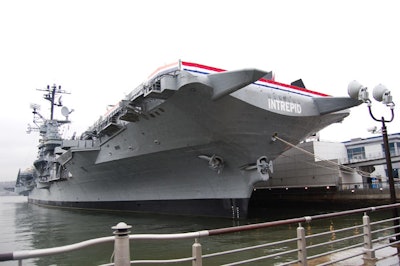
360, 242
114, 112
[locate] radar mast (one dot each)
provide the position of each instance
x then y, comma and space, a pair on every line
51, 96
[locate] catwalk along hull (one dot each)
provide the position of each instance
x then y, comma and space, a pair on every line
193, 140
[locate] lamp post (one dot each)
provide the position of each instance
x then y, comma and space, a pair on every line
381, 94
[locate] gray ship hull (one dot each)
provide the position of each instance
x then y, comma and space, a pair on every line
161, 159
224, 208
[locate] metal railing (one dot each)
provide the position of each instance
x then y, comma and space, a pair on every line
367, 157
300, 250
378, 186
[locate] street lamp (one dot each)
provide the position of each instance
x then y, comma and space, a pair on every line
381, 94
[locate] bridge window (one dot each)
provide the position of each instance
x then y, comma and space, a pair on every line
356, 154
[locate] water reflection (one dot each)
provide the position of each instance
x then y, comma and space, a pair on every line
29, 226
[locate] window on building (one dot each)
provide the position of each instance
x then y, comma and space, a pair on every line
392, 149
355, 154
395, 172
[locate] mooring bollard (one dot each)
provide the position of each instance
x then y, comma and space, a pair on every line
121, 244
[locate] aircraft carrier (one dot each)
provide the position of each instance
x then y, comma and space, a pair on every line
191, 140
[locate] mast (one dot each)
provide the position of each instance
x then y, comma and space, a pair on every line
51, 96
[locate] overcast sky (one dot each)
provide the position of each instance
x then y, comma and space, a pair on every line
101, 50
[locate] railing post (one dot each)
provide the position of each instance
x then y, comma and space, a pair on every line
197, 254
121, 244
301, 245
369, 250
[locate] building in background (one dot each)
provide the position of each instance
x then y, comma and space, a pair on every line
370, 152
358, 163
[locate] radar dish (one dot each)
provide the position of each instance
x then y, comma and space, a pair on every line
64, 111
35, 106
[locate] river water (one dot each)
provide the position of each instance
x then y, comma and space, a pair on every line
26, 226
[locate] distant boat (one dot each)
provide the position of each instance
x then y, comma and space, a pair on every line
191, 140
25, 182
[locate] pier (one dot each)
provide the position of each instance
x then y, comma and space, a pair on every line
369, 242
354, 173
356, 196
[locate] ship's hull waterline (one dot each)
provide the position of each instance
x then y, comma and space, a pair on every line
192, 152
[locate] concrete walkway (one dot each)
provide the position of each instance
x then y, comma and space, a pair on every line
387, 256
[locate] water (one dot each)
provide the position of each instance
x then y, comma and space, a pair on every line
26, 226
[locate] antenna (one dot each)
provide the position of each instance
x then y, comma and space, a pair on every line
51, 95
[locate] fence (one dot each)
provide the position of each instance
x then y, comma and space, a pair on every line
361, 246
